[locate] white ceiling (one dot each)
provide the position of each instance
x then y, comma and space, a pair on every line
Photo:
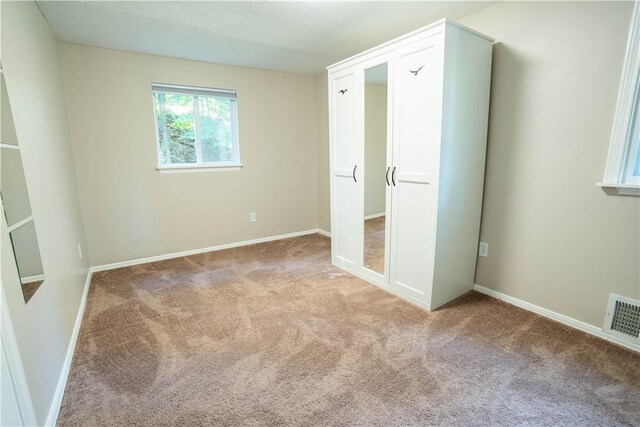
293, 36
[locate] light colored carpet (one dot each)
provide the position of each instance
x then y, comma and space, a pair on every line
374, 244
272, 334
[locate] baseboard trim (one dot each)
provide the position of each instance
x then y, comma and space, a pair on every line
54, 409
566, 320
378, 215
202, 250
29, 279
323, 232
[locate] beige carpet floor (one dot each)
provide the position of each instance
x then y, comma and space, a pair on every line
374, 244
272, 334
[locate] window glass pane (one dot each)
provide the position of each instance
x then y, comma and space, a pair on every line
636, 166
635, 141
176, 128
214, 120
195, 126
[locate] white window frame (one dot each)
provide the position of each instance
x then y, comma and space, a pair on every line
623, 147
199, 166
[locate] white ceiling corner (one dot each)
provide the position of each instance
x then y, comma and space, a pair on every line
293, 36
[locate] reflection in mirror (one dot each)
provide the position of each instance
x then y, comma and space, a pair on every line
27, 255
8, 131
375, 152
15, 198
16, 206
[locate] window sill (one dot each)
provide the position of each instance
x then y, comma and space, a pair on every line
620, 188
199, 168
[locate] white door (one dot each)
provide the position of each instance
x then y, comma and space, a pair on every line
417, 110
345, 222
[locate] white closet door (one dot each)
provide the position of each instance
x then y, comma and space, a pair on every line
345, 221
418, 101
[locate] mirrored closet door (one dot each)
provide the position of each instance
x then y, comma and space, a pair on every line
16, 206
377, 174
407, 149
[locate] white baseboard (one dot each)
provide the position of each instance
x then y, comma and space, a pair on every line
378, 215
54, 409
323, 232
566, 320
29, 279
202, 250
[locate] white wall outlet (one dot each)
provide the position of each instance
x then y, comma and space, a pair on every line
80, 250
484, 249
252, 217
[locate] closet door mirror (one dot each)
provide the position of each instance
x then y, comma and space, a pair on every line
16, 206
376, 175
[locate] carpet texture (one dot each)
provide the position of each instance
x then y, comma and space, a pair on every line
272, 334
29, 289
374, 244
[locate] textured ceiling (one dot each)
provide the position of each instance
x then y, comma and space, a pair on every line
301, 37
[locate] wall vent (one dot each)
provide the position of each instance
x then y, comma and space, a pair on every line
623, 318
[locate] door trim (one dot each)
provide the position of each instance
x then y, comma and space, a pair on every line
14, 361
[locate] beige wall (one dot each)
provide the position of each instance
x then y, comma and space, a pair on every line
555, 239
42, 327
375, 151
324, 208
133, 211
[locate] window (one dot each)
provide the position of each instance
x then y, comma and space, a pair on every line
622, 171
195, 127
632, 167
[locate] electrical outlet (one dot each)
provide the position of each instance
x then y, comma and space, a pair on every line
252, 217
484, 249
80, 250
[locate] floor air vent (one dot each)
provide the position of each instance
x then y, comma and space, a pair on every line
623, 318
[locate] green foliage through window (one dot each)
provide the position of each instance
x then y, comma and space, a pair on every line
195, 128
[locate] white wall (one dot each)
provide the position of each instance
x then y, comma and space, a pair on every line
133, 211
555, 239
43, 327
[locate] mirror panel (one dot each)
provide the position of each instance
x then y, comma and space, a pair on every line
375, 160
16, 206
27, 254
7, 131
13, 187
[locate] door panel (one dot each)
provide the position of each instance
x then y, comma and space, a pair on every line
345, 197
415, 156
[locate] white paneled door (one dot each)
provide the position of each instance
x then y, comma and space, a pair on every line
437, 100
345, 224
417, 112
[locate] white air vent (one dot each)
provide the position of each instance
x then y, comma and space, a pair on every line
623, 318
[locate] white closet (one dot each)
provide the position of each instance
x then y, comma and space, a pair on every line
408, 132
